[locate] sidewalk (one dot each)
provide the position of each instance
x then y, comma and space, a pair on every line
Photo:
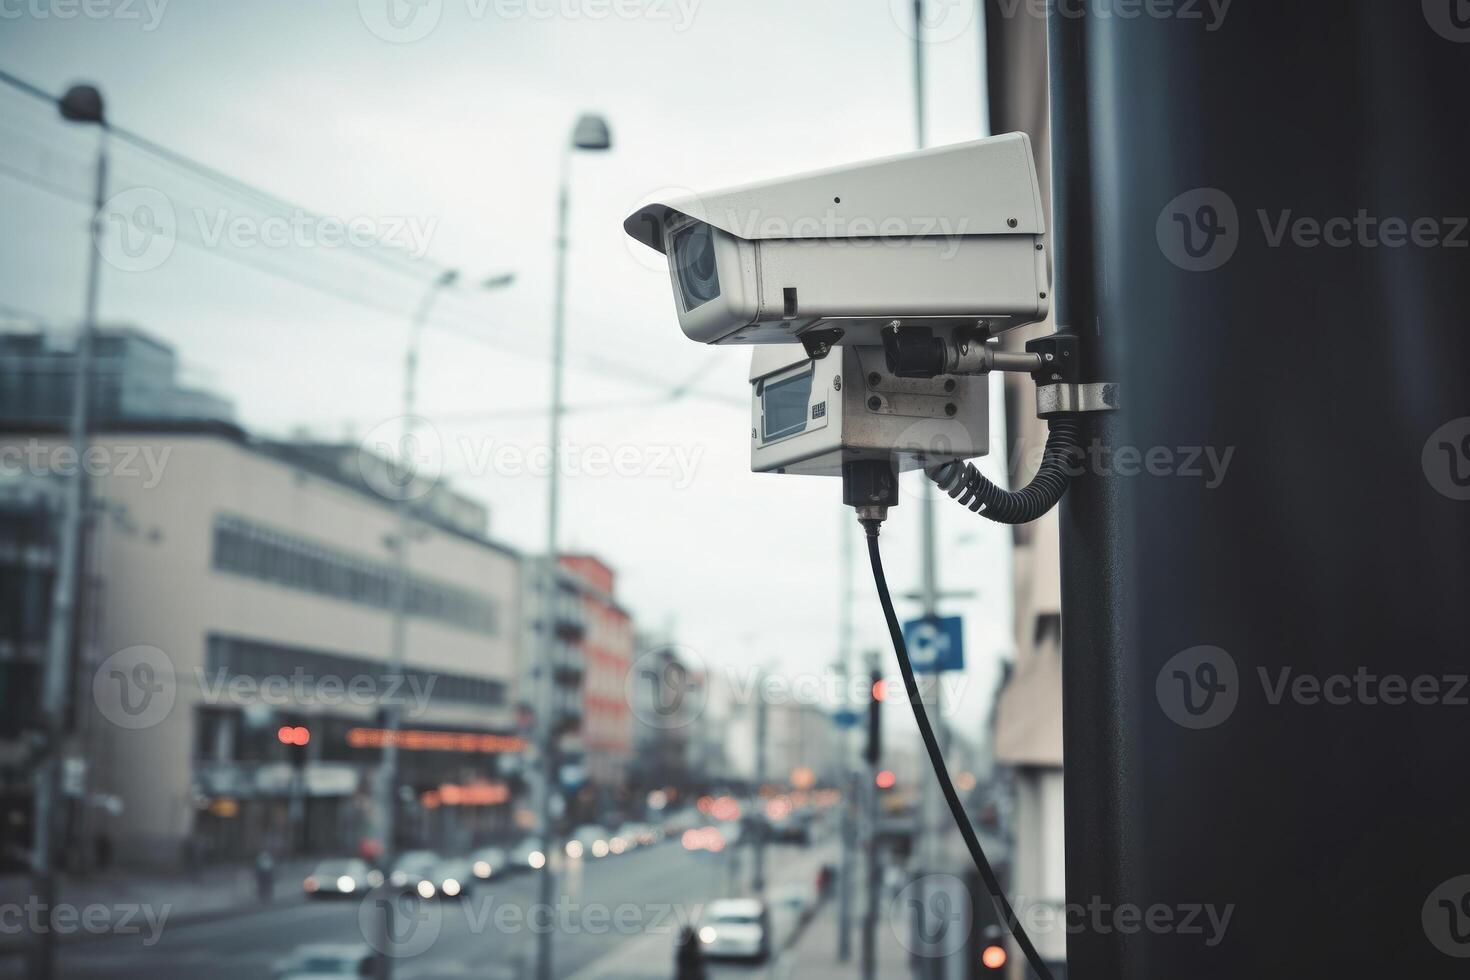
183, 897
814, 955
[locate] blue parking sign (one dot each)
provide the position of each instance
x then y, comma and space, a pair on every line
936, 643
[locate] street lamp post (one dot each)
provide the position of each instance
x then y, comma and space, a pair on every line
404, 492
81, 104
590, 133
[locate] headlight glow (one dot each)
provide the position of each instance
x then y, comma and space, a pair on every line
426, 889
708, 935
346, 884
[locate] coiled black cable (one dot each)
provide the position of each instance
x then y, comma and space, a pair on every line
936, 759
964, 482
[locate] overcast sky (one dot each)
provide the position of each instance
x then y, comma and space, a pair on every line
441, 127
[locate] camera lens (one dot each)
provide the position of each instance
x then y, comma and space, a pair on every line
699, 274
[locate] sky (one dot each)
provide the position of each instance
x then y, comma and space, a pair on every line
438, 126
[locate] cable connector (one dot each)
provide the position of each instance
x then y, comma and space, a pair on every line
870, 485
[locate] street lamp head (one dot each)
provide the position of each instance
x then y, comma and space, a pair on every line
448, 278
500, 281
591, 133
83, 104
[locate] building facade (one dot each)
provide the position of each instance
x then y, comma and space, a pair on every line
243, 591
607, 655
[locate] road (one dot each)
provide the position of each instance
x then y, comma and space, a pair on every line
617, 916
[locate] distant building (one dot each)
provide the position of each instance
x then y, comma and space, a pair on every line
667, 697
607, 655
242, 587
134, 377
30, 511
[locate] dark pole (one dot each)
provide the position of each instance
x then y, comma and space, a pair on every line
1334, 543
82, 104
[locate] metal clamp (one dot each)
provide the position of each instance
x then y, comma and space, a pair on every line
1065, 398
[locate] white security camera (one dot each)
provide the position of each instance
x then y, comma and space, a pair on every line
947, 238
815, 415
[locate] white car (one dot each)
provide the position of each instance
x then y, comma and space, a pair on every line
414, 871
734, 928
589, 841
345, 877
326, 961
528, 854
488, 861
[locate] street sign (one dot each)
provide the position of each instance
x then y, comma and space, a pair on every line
936, 643
846, 718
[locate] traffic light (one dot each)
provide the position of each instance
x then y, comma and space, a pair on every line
885, 779
992, 953
874, 751
295, 738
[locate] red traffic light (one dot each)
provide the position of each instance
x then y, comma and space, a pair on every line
994, 957
885, 779
293, 735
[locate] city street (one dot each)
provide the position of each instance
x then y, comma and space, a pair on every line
612, 916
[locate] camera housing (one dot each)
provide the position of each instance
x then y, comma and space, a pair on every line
813, 415
949, 238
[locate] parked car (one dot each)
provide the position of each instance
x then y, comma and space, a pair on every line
735, 928
414, 872
340, 877
453, 878
488, 861
529, 854
326, 961
589, 841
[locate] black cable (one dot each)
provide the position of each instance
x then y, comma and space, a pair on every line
936, 758
965, 483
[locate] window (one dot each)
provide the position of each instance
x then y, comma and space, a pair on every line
244, 548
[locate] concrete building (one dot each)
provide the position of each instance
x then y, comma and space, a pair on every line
243, 588
134, 376
607, 655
